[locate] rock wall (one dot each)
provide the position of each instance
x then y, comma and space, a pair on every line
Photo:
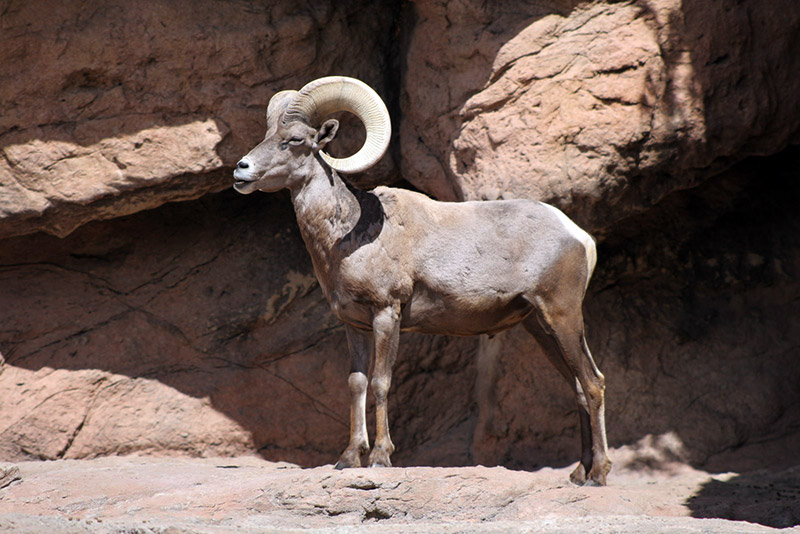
177, 330
601, 108
198, 328
691, 317
111, 108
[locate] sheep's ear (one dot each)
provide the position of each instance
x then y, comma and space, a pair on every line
326, 133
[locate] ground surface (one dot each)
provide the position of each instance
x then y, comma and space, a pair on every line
178, 495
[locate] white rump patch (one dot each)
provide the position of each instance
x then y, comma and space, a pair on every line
581, 235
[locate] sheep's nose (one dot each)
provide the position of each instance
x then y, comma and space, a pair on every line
243, 164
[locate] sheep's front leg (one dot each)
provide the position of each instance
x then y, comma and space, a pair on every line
360, 344
386, 330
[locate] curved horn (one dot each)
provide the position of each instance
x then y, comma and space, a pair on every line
279, 102
320, 98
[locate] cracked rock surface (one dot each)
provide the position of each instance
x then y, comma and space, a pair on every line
599, 107
198, 329
218, 495
112, 109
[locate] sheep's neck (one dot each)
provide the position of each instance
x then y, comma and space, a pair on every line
326, 211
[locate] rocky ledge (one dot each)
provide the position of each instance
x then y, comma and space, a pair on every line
247, 494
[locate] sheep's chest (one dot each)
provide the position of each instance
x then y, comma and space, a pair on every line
350, 311
358, 291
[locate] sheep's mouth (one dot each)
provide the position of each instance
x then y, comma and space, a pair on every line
243, 186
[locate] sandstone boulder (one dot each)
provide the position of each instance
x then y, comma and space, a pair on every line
601, 108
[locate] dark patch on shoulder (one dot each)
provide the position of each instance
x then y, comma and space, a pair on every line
370, 222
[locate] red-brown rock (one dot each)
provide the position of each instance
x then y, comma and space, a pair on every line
197, 328
114, 109
221, 495
600, 108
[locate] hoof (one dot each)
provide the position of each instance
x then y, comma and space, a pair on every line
379, 458
597, 475
347, 460
578, 476
383, 462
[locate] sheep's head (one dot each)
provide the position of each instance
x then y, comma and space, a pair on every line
298, 128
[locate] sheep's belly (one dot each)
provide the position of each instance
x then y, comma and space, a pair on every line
461, 317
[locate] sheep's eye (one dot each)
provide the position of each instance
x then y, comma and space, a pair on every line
294, 141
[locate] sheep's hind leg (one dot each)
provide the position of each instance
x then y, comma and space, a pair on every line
360, 344
565, 346
386, 330
553, 353
594, 386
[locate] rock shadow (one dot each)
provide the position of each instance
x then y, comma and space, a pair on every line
125, 109
767, 497
213, 299
707, 286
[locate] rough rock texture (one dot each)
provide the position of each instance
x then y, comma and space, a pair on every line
111, 107
247, 495
691, 317
601, 108
178, 331
197, 328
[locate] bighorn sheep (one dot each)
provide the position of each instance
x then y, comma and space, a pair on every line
392, 260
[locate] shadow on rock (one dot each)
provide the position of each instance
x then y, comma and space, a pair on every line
766, 497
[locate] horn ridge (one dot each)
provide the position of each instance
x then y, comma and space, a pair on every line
320, 98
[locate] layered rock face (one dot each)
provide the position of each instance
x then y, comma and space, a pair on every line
198, 327
112, 109
601, 109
